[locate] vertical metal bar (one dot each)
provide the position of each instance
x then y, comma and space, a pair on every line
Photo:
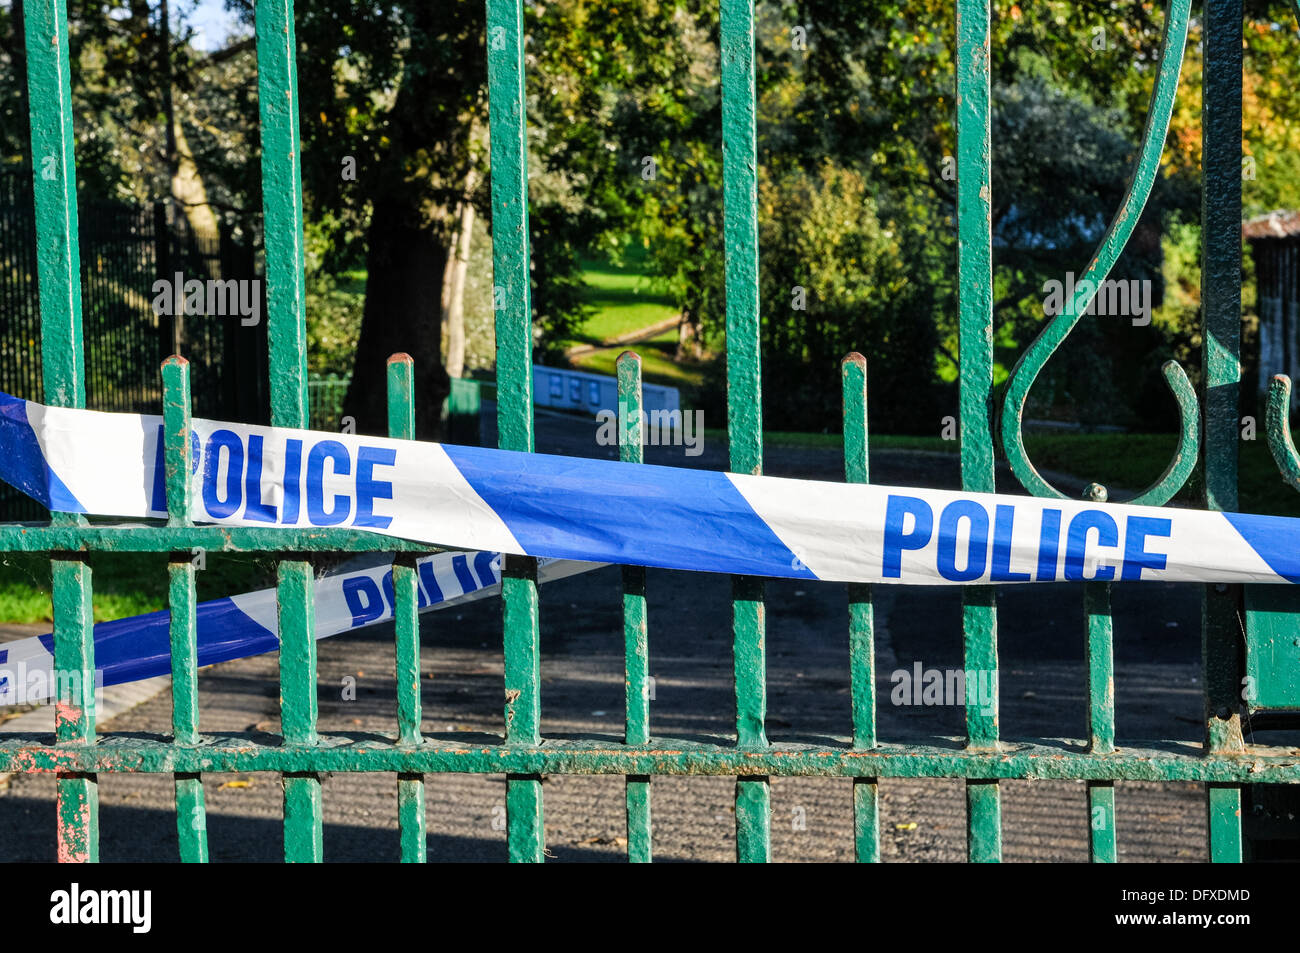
1221, 298
636, 663
401, 424
514, 334
58, 260
277, 97
58, 268
1101, 668
1101, 718
411, 818
975, 282
406, 616
191, 813
277, 85
866, 820
1223, 802
303, 820
512, 299
862, 651
77, 794
1102, 844
744, 401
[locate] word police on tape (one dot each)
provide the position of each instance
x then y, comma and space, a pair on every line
476, 499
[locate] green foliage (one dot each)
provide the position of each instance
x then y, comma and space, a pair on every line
834, 280
333, 325
404, 96
1179, 314
558, 294
1051, 207
863, 114
1270, 105
333, 306
872, 96
681, 227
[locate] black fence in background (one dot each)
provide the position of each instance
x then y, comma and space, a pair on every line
125, 249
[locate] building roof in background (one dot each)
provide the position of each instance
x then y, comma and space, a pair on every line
1282, 223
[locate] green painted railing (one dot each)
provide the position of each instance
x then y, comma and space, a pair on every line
1223, 762
326, 397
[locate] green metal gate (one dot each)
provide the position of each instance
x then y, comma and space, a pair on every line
1224, 763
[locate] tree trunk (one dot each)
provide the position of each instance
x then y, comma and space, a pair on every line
414, 189
448, 272
406, 262
458, 268
689, 347
188, 189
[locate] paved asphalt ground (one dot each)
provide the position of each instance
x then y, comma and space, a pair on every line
1157, 645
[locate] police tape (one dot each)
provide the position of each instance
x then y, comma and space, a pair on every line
560, 507
128, 650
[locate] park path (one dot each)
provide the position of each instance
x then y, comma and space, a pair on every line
628, 337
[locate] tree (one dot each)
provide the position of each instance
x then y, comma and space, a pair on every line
870, 87
834, 279
398, 89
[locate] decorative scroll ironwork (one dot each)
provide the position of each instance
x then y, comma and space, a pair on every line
1278, 426
1112, 245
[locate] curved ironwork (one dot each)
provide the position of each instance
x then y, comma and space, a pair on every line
1031, 363
1277, 424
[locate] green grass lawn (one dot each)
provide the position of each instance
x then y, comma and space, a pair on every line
125, 584
624, 299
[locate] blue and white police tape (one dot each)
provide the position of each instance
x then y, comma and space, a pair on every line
127, 650
606, 511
